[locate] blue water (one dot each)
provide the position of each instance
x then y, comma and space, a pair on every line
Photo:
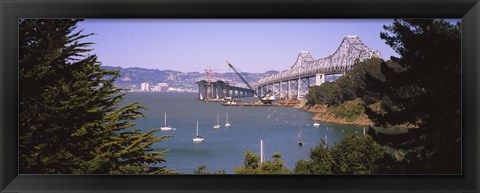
223, 148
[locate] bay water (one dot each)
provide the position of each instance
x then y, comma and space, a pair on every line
223, 148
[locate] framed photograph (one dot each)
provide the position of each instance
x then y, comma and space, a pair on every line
239, 96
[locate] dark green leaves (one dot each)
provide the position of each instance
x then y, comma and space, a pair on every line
355, 154
422, 88
70, 118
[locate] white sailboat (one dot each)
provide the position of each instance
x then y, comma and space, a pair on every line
165, 127
218, 123
198, 138
316, 124
227, 124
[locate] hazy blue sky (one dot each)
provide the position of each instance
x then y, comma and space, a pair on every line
250, 45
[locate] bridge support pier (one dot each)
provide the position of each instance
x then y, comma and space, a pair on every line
299, 85
209, 90
226, 91
280, 93
276, 89
218, 86
202, 89
289, 90
303, 87
319, 79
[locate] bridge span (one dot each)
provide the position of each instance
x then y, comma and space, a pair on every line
295, 82
217, 90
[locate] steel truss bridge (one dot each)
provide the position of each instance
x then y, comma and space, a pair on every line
295, 82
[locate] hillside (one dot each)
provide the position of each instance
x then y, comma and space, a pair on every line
133, 77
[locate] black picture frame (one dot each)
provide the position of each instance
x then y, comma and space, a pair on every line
468, 10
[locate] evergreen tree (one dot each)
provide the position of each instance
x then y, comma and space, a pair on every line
422, 88
252, 165
203, 170
302, 167
70, 120
355, 154
321, 159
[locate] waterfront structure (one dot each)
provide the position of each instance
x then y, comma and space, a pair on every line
145, 86
162, 87
295, 82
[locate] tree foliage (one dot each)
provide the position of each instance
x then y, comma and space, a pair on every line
422, 88
355, 154
350, 110
203, 170
70, 120
321, 161
252, 165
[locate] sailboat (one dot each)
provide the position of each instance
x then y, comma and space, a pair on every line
165, 127
218, 123
198, 138
227, 124
300, 142
316, 124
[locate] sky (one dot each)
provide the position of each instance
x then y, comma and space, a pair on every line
251, 45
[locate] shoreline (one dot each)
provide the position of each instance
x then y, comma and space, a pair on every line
321, 114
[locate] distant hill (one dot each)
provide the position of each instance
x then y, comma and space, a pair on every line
133, 77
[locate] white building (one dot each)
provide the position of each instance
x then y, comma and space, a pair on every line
145, 86
162, 87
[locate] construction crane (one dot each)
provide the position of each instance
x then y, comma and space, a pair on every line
265, 99
210, 72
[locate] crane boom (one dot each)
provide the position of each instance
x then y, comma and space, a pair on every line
265, 99
239, 75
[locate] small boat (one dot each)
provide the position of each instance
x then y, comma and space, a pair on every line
165, 127
300, 142
316, 124
227, 124
218, 123
198, 138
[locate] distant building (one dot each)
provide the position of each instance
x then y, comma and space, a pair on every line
162, 87
145, 86
155, 89
174, 90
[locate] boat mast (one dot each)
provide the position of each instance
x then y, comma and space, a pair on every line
261, 151
165, 119
197, 128
326, 142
